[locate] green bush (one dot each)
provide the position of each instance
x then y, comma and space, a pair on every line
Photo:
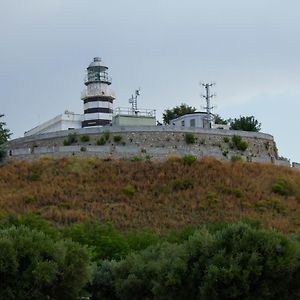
103, 240
84, 138
190, 138
238, 143
83, 149
135, 158
183, 184
235, 158
28, 199
34, 266
34, 176
117, 138
282, 187
67, 142
189, 159
226, 139
106, 134
233, 262
129, 190
101, 141
72, 138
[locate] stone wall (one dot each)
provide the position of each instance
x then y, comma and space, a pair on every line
157, 142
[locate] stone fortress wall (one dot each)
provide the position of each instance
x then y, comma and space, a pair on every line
148, 142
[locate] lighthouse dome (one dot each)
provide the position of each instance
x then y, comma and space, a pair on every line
97, 62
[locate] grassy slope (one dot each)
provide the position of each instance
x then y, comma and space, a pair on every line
160, 195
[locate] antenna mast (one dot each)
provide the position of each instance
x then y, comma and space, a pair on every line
208, 97
133, 101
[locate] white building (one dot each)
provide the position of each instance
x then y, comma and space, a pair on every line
197, 120
66, 121
192, 120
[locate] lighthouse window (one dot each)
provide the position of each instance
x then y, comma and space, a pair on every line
192, 123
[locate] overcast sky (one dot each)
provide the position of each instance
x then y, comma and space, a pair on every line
250, 49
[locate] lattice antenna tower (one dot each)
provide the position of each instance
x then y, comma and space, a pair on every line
133, 101
208, 96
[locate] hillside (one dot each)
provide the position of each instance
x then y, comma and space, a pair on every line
157, 195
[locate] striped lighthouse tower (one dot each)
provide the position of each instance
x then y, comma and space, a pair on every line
97, 96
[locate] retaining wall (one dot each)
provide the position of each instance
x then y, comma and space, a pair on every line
157, 142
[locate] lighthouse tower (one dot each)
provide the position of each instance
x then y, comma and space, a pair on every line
97, 96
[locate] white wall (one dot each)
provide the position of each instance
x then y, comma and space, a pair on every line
60, 122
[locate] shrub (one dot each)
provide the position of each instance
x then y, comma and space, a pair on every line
101, 141
272, 204
84, 138
72, 138
34, 266
106, 134
235, 158
117, 138
189, 159
103, 240
67, 142
183, 184
282, 187
83, 149
233, 262
141, 239
190, 138
238, 143
225, 153
135, 158
34, 176
237, 192
29, 199
226, 139
129, 190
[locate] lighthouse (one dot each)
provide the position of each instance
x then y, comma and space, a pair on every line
97, 96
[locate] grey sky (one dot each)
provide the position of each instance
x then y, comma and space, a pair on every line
249, 48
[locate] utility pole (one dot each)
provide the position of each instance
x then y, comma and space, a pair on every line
208, 97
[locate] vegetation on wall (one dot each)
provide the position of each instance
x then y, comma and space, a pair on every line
71, 139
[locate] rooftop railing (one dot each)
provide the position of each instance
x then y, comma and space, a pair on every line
141, 112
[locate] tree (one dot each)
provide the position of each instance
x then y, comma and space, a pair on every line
220, 120
245, 123
33, 266
4, 136
177, 111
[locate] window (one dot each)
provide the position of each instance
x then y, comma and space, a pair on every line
192, 123
182, 123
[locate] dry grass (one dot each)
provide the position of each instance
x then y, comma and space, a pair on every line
162, 195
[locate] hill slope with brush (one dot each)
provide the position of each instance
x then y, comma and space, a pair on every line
157, 195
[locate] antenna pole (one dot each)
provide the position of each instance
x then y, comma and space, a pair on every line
133, 101
208, 97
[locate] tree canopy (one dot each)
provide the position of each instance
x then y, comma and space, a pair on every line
35, 266
177, 111
245, 123
220, 120
4, 136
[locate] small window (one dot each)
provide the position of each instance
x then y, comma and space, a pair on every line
182, 123
192, 123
